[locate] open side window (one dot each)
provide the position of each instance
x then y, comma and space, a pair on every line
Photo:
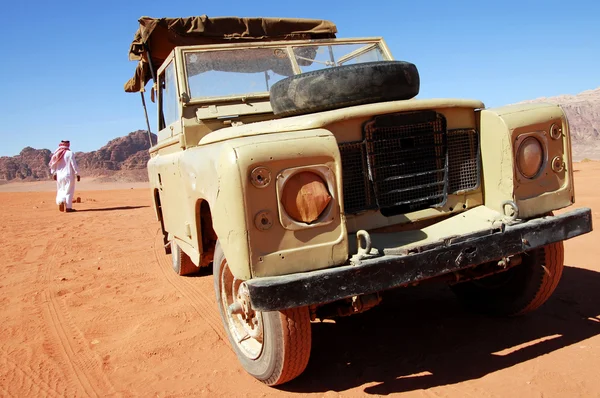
168, 105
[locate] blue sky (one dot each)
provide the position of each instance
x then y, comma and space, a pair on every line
64, 63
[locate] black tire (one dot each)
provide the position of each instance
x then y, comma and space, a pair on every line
286, 335
181, 262
343, 86
518, 290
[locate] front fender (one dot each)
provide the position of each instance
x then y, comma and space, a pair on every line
219, 173
501, 129
211, 173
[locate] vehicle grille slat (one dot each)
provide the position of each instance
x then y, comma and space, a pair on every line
400, 190
409, 151
414, 175
427, 198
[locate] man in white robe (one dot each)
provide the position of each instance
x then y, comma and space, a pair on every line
64, 169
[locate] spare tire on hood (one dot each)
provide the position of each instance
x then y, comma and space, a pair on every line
342, 86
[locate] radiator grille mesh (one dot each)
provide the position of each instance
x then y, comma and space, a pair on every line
407, 162
463, 160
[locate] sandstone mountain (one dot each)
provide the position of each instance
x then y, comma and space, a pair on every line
30, 164
122, 154
122, 159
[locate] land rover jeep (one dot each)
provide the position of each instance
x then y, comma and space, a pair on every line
304, 170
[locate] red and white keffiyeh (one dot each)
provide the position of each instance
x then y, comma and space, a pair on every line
60, 152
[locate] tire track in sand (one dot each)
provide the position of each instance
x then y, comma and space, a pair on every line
20, 368
192, 289
79, 363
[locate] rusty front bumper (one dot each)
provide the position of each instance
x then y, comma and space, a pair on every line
390, 271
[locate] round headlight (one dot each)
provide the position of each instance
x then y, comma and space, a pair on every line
305, 197
530, 157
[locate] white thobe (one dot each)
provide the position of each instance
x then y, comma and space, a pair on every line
66, 170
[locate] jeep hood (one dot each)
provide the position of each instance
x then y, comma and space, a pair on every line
321, 119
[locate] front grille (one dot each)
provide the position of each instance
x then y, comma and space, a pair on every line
463, 160
407, 162
406, 155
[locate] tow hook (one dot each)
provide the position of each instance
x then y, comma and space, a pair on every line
363, 236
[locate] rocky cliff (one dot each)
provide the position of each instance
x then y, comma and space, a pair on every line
30, 164
123, 153
123, 158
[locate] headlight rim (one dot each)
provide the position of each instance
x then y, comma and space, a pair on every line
327, 215
541, 138
318, 178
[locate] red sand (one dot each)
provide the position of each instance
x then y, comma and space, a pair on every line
89, 306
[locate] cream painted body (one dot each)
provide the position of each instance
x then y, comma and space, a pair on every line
500, 128
202, 158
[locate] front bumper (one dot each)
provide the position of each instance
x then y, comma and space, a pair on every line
390, 271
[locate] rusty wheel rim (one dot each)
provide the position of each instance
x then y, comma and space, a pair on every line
245, 325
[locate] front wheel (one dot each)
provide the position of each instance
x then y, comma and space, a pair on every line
518, 290
274, 347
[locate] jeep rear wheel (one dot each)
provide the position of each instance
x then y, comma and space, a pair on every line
274, 347
518, 290
342, 86
182, 263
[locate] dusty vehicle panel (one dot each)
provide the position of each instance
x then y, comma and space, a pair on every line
301, 167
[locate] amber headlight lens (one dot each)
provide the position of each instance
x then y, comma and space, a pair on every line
530, 157
305, 197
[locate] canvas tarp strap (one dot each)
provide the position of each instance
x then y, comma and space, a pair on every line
158, 36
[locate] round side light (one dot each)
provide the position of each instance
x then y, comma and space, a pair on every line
530, 157
305, 197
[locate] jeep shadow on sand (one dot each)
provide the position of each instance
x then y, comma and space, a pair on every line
303, 168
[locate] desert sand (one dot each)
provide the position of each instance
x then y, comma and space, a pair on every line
89, 306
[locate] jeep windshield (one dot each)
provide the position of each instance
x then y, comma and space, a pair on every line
251, 72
